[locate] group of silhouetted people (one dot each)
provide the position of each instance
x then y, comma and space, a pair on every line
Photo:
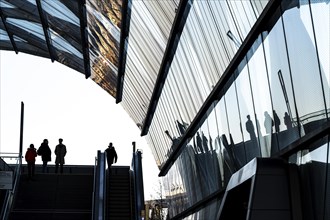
45, 153
269, 123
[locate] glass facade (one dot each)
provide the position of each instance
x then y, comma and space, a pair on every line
278, 93
248, 79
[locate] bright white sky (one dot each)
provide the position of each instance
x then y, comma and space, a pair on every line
61, 103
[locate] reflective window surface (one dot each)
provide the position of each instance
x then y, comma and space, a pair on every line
274, 97
104, 22
57, 9
306, 78
261, 98
321, 18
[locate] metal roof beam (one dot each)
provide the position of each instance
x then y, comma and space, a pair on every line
125, 22
84, 37
178, 24
10, 35
45, 27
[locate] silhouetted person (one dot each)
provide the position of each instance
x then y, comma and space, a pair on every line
60, 152
287, 121
111, 155
277, 121
45, 153
268, 123
30, 157
250, 128
199, 143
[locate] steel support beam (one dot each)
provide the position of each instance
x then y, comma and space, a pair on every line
125, 22
45, 28
84, 37
10, 35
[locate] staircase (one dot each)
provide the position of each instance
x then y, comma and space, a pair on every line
119, 193
66, 196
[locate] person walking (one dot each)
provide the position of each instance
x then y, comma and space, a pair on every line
111, 155
60, 152
30, 157
46, 154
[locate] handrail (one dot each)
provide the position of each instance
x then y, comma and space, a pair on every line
99, 193
10, 194
138, 183
94, 186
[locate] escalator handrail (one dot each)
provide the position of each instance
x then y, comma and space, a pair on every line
99, 191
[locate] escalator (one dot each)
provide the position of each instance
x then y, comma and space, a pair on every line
119, 194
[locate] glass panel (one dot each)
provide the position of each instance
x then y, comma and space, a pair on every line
176, 190
5, 4
247, 115
281, 88
30, 27
235, 136
321, 21
216, 149
59, 10
222, 144
207, 212
4, 36
304, 67
104, 22
61, 44
262, 103
211, 165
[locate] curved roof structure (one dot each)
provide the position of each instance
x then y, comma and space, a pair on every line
157, 58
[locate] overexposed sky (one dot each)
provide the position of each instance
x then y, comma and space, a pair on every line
60, 103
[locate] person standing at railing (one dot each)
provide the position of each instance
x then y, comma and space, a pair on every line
30, 157
60, 152
45, 153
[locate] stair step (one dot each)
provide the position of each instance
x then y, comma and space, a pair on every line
119, 195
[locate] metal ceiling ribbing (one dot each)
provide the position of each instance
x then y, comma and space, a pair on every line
80, 34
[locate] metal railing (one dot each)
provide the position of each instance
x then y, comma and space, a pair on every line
10, 193
136, 168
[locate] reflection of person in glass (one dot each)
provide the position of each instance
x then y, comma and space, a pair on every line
268, 123
250, 128
287, 121
277, 121
199, 143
